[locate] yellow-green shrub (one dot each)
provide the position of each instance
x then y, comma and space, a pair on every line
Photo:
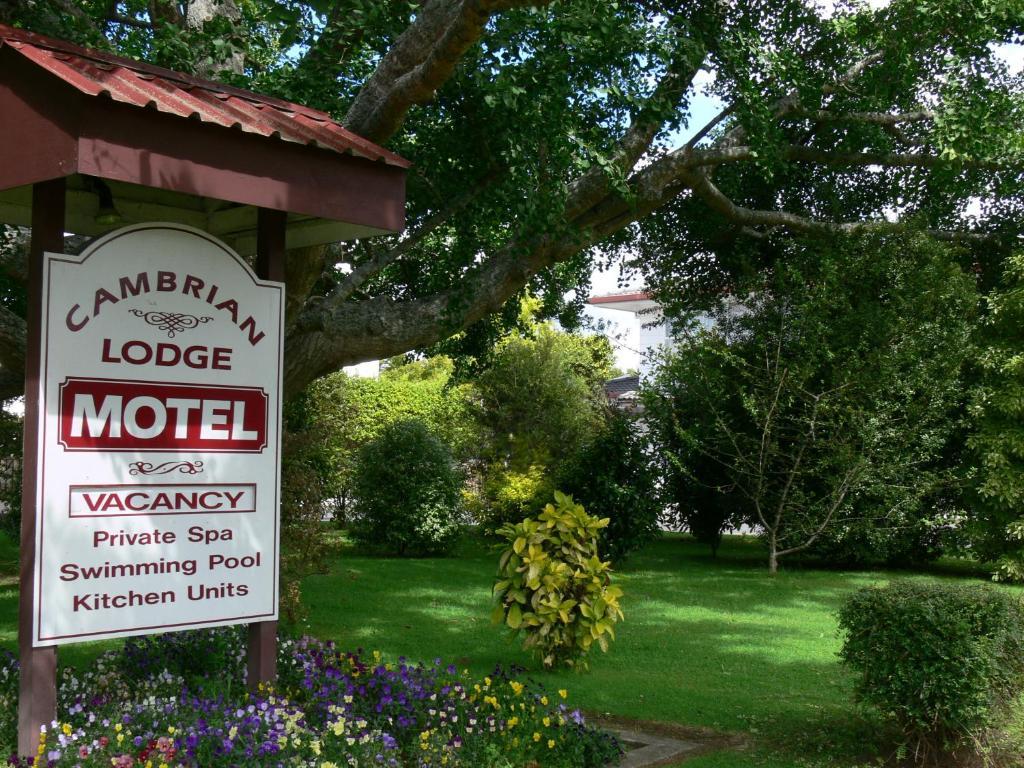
553, 586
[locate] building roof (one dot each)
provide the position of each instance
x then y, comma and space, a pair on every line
617, 387
637, 302
620, 298
67, 110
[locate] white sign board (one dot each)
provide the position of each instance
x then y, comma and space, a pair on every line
158, 472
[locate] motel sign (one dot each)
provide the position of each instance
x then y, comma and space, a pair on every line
160, 438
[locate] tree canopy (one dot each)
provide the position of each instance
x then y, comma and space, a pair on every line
547, 136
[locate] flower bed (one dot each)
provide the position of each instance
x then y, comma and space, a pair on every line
179, 700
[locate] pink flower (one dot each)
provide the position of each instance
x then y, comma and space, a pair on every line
83, 751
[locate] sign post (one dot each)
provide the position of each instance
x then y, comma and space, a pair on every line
157, 466
37, 692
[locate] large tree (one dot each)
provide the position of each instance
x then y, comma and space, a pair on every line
547, 134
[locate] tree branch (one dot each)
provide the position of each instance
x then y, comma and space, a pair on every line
420, 61
593, 187
886, 159
884, 119
699, 182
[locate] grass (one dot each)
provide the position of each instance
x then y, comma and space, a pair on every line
707, 643
712, 643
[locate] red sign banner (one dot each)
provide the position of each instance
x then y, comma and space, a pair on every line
103, 415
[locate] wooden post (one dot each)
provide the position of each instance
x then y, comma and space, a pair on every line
37, 695
270, 240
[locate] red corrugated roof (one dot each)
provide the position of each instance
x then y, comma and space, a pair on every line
618, 298
142, 85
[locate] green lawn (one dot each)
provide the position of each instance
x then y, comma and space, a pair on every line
706, 643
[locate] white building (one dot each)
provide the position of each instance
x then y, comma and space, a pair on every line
653, 331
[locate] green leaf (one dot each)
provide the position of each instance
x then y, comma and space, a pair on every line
515, 616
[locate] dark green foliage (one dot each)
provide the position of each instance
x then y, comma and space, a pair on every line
998, 440
537, 400
695, 489
945, 661
207, 659
407, 492
822, 406
304, 548
612, 476
11, 428
352, 411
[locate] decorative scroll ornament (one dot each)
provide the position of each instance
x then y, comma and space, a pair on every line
184, 467
172, 322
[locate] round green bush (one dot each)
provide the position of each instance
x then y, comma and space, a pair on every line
407, 492
945, 661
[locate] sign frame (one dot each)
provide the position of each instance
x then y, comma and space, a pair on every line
262, 624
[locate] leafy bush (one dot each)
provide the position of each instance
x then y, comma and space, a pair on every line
998, 440
328, 708
945, 661
612, 476
407, 491
352, 411
304, 548
11, 427
539, 398
509, 496
553, 586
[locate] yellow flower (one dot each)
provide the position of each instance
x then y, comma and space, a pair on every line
517, 687
551, 743
536, 736
562, 692
547, 722
544, 700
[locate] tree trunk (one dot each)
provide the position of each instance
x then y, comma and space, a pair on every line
773, 556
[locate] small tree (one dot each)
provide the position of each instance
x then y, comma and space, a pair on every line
407, 492
537, 401
830, 390
998, 440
